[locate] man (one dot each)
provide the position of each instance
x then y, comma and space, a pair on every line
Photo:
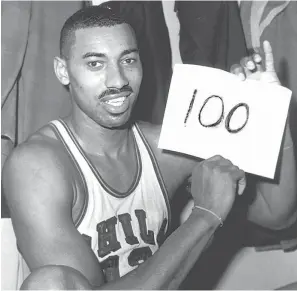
147, 18
89, 195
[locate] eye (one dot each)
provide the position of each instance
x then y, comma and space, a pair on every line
129, 61
95, 64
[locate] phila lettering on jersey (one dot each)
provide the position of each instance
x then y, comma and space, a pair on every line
123, 229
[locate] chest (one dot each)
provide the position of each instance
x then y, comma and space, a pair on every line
124, 226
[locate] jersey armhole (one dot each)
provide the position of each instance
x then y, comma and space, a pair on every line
80, 217
158, 174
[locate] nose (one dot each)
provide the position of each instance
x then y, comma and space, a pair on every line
116, 77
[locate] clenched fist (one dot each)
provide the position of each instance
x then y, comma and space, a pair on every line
215, 182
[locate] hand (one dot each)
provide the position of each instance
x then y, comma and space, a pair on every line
215, 182
252, 67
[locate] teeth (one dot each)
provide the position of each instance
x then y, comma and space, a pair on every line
116, 102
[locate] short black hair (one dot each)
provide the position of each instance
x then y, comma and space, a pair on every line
91, 16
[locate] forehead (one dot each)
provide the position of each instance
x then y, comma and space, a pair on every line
107, 40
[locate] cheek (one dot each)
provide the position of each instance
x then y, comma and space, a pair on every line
135, 78
87, 84
84, 79
82, 94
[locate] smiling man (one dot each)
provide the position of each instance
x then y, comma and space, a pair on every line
89, 194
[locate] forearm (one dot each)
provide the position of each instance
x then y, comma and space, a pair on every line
190, 261
275, 205
160, 269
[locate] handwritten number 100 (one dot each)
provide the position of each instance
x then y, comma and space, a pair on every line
221, 117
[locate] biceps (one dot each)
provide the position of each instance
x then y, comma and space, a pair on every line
58, 244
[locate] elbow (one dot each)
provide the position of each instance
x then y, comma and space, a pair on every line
281, 220
274, 218
276, 210
54, 277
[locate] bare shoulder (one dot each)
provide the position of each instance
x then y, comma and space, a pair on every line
175, 167
39, 184
38, 163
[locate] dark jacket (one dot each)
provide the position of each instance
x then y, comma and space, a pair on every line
211, 33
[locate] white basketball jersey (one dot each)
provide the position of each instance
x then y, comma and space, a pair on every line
123, 229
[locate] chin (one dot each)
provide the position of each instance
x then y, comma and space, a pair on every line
117, 123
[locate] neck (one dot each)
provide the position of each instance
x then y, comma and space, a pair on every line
96, 139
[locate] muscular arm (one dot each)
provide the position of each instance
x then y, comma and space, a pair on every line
40, 193
163, 269
275, 204
190, 261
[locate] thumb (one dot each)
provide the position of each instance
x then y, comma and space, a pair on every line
269, 62
241, 185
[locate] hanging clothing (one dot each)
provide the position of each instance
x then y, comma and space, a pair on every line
211, 33
31, 95
276, 21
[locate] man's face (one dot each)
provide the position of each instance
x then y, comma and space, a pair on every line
105, 73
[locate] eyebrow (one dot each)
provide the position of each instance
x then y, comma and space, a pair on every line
127, 52
101, 55
98, 55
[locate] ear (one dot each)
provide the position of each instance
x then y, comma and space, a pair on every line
60, 67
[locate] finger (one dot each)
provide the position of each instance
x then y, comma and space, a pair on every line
257, 58
215, 158
238, 71
220, 161
237, 176
227, 164
269, 63
215, 162
241, 185
229, 168
258, 61
248, 65
236, 173
248, 62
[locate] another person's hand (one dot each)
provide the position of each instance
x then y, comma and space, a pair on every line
215, 183
255, 68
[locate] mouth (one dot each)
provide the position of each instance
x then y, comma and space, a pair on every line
116, 104
116, 101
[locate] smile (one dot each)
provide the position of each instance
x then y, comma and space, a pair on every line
116, 102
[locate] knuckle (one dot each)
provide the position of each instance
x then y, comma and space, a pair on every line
216, 170
251, 65
244, 60
242, 173
257, 58
226, 162
206, 165
235, 69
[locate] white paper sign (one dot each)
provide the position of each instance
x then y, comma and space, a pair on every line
243, 121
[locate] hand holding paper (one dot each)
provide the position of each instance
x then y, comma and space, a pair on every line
242, 121
252, 67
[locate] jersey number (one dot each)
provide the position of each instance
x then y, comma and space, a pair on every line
107, 242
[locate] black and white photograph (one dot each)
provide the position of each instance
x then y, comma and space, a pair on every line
149, 145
